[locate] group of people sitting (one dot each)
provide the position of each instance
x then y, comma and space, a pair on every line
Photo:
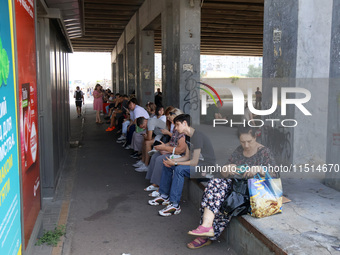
168, 148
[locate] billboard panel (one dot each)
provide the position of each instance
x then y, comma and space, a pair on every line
10, 209
26, 53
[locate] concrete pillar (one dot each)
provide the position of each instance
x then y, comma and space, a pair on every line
113, 77
137, 43
131, 75
297, 54
186, 57
120, 74
147, 67
167, 55
333, 130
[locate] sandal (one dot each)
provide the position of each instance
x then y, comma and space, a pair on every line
199, 242
202, 231
151, 188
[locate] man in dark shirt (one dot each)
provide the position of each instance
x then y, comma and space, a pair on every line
158, 97
258, 100
174, 170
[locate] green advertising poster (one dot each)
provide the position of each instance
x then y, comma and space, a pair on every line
10, 212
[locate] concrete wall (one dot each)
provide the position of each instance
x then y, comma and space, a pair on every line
54, 110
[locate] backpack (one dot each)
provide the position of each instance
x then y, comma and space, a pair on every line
78, 95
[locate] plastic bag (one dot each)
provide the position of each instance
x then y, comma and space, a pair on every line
265, 196
237, 201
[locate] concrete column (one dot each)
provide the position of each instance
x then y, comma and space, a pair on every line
147, 67
131, 75
186, 57
113, 77
333, 130
117, 71
120, 74
297, 54
137, 55
167, 55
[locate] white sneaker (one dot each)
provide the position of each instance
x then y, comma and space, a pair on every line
128, 147
122, 137
153, 151
142, 168
154, 194
138, 164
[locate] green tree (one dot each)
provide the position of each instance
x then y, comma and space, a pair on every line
254, 72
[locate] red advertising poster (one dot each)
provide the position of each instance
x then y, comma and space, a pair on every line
27, 80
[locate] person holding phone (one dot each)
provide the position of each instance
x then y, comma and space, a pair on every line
153, 126
245, 162
176, 144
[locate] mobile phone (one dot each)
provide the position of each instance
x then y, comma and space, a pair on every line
242, 168
156, 143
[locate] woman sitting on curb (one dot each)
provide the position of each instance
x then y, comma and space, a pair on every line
213, 222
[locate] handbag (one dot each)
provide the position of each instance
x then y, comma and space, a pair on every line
236, 203
265, 196
173, 155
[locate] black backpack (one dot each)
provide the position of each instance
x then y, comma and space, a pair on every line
78, 95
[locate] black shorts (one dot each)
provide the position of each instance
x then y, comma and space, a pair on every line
79, 103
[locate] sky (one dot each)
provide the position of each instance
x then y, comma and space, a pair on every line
89, 66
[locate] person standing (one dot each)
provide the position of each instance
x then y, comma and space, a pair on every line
98, 102
258, 100
79, 96
158, 97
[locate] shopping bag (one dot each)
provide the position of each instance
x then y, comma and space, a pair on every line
173, 155
237, 201
265, 196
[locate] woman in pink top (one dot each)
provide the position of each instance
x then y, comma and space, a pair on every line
98, 102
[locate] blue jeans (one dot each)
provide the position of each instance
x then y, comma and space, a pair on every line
172, 181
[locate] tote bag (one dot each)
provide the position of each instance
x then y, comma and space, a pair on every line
265, 196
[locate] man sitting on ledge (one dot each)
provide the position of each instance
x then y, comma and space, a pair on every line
174, 170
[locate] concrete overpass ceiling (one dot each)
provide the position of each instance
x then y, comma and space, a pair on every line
232, 27
228, 27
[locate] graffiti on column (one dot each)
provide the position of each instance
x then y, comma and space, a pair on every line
191, 99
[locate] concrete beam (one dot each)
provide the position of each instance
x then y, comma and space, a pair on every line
121, 43
149, 11
130, 30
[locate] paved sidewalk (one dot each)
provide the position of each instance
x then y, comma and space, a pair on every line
54, 209
108, 211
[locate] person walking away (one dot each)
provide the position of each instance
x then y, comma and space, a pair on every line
79, 96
